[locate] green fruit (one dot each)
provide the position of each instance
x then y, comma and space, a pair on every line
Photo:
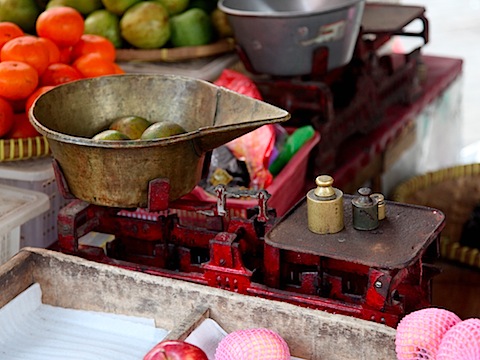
110, 135
191, 28
104, 23
119, 7
24, 13
53, 3
220, 23
84, 6
132, 126
174, 6
162, 129
146, 25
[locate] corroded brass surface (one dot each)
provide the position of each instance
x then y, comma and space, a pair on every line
325, 207
116, 173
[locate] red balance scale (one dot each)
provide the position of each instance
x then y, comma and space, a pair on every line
378, 275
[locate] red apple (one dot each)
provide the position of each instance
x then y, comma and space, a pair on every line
175, 350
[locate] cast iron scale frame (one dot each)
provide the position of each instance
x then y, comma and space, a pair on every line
378, 275
351, 100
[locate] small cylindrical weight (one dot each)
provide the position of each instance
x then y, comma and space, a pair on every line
365, 210
325, 207
382, 211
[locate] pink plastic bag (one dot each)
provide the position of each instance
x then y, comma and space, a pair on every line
254, 148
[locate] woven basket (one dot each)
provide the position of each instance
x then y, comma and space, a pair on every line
22, 149
176, 54
455, 191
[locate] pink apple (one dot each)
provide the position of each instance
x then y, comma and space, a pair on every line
175, 350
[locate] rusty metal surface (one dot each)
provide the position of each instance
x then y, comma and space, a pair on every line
398, 242
117, 173
378, 18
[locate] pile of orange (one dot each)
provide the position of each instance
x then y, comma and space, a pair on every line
30, 65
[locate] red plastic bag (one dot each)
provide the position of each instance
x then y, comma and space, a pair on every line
233, 80
254, 148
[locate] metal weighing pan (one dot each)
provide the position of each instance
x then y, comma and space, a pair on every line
117, 173
279, 37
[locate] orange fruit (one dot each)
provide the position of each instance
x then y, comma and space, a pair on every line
9, 31
93, 65
27, 49
61, 24
52, 49
94, 44
22, 128
118, 69
17, 80
6, 117
66, 54
59, 73
34, 96
18, 105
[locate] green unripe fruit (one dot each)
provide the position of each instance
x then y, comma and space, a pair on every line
161, 130
24, 13
191, 28
104, 23
146, 25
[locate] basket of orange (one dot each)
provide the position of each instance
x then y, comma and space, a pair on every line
30, 65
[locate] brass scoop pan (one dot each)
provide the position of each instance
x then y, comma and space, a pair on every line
117, 173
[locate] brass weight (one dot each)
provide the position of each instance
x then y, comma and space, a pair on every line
325, 207
382, 213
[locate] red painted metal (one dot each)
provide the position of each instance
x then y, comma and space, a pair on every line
269, 258
352, 99
380, 276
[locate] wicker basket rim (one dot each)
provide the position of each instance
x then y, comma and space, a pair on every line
432, 178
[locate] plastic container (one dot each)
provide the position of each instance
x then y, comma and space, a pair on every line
287, 188
36, 175
17, 206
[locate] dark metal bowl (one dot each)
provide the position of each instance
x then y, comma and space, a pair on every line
279, 37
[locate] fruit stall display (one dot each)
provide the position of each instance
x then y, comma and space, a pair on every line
57, 41
55, 52
180, 28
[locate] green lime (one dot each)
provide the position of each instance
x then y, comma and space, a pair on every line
119, 7
104, 23
174, 6
132, 126
110, 135
84, 6
191, 28
220, 23
24, 13
146, 25
162, 129
53, 3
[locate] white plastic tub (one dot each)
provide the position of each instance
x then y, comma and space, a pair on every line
36, 175
17, 206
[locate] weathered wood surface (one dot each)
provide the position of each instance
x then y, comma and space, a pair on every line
72, 282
